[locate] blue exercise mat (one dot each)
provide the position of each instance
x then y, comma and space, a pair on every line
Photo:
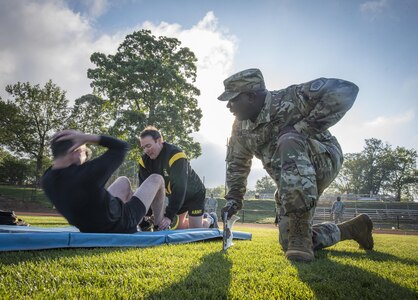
14, 238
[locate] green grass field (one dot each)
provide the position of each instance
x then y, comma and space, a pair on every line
42, 221
254, 269
25, 195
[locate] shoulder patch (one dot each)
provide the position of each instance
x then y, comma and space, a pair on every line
141, 162
316, 85
176, 157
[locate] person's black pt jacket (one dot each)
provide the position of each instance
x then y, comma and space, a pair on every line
181, 181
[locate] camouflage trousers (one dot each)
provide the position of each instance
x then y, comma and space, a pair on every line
338, 218
303, 168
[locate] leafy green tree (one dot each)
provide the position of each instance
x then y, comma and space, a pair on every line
10, 122
403, 174
349, 179
34, 114
364, 172
149, 81
3, 154
126, 128
218, 191
265, 185
14, 170
89, 114
376, 159
378, 169
250, 194
414, 186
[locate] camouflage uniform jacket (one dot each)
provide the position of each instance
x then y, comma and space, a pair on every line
310, 108
337, 207
211, 205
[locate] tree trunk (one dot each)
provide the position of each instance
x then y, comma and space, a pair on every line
39, 165
398, 194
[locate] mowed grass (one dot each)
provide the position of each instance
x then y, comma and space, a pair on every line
254, 269
42, 221
25, 194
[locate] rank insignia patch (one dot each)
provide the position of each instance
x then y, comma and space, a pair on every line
316, 85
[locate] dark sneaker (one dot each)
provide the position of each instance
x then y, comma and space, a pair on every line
147, 224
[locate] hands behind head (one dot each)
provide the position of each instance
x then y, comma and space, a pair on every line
77, 137
58, 135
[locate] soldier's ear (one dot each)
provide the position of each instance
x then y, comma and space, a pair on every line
255, 99
251, 96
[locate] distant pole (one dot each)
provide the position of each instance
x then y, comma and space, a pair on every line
203, 179
226, 164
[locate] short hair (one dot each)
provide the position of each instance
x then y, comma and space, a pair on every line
150, 131
338, 198
60, 148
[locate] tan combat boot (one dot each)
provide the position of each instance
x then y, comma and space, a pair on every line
358, 229
300, 247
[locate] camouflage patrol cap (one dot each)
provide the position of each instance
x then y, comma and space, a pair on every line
249, 80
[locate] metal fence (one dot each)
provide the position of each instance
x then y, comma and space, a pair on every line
381, 217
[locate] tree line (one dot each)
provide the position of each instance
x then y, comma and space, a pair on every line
148, 81
379, 169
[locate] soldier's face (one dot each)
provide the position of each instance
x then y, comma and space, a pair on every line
151, 147
241, 107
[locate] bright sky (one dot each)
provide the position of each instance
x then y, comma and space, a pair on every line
371, 43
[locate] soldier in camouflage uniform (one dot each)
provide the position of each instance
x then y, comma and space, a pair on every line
337, 210
288, 131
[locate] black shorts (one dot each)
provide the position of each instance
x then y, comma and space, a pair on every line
130, 214
195, 205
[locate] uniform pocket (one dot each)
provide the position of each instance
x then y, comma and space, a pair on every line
298, 190
305, 168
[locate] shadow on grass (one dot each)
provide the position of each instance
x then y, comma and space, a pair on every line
209, 280
330, 279
374, 255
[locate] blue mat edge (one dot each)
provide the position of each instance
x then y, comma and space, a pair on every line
14, 238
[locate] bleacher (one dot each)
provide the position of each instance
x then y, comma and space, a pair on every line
381, 217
